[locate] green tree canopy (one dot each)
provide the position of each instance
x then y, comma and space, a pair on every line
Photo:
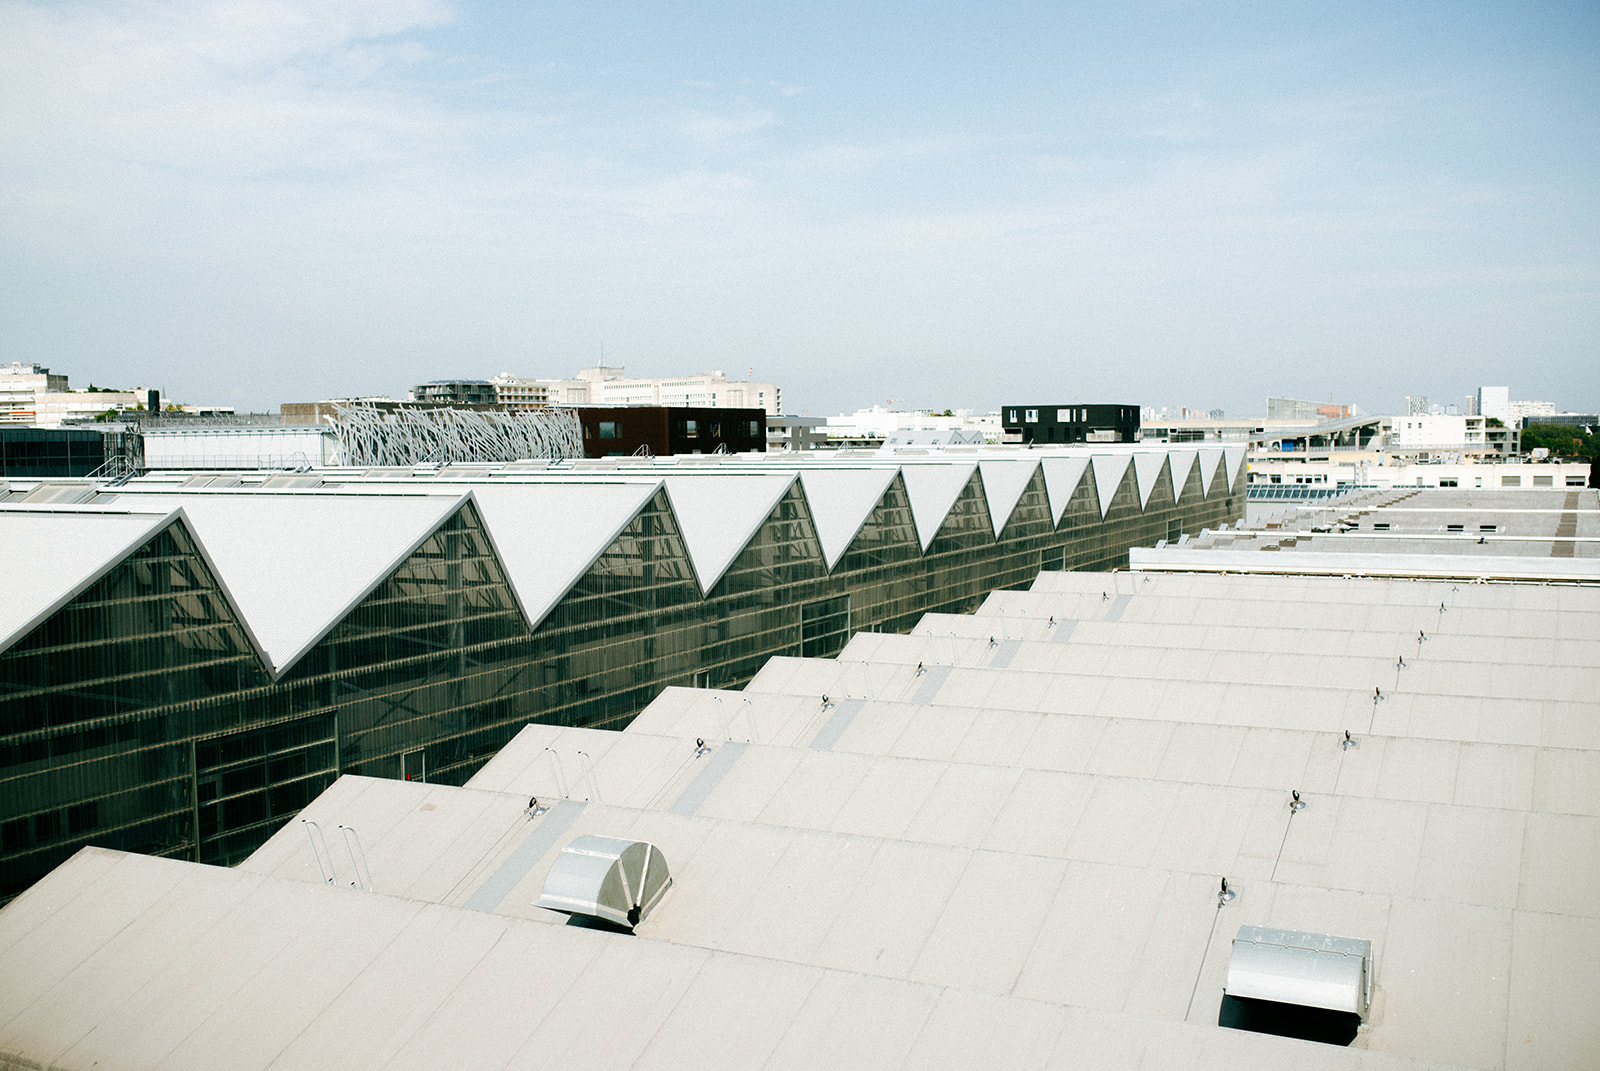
1560, 440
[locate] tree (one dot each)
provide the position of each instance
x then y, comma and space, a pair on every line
1561, 440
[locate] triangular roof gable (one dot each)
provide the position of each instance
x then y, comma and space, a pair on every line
1003, 484
1147, 470
1061, 478
296, 565
1233, 456
1209, 460
1108, 473
718, 515
840, 502
548, 535
60, 554
1182, 464
933, 489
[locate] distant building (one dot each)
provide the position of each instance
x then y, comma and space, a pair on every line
659, 431
55, 453
20, 385
1417, 405
611, 386
1040, 424
1494, 402
456, 392
875, 425
795, 433
1295, 409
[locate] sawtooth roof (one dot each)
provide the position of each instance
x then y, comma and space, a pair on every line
296, 559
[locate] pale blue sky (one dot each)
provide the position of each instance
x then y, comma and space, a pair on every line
944, 204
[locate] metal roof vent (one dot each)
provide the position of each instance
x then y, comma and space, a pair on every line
1288, 982
618, 881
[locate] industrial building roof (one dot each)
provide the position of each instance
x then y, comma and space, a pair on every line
997, 841
269, 541
1525, 534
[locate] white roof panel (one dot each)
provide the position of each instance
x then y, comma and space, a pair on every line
1209, 460
1183, 462
549, 534
1108, 472
933, 489
1233, 457
55, 556
719, 515
295, 565
1003, 484
1061, 478
1147, 466
840, 503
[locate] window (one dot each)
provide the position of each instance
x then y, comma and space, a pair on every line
1543, 481
1063, 416
414, 765
1446, 482
610, 429
1033, 416
824, 627
1575, 481
1455, 528
691, 427
1380, 526
1488, 528
1511, 481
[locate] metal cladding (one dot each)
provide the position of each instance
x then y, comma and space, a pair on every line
372, 436
606, 878
1313, 970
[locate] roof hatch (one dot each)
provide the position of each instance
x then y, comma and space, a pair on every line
1312, 970
618, 881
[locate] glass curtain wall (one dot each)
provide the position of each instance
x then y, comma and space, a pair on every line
139, 716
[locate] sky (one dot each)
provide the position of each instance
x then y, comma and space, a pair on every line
933, 205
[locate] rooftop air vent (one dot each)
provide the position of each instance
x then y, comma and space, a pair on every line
1306, 985
617, 881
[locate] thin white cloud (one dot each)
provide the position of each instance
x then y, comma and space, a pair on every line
710, 126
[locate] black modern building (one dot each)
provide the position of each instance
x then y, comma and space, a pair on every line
45, 453
1052, 424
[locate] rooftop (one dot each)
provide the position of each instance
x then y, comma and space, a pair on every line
998, 840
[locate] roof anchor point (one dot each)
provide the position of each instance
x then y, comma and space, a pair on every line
1226, 894
1296, 804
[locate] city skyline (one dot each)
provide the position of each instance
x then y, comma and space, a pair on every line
1168, 205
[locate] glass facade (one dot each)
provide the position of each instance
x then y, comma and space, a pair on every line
139, 717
